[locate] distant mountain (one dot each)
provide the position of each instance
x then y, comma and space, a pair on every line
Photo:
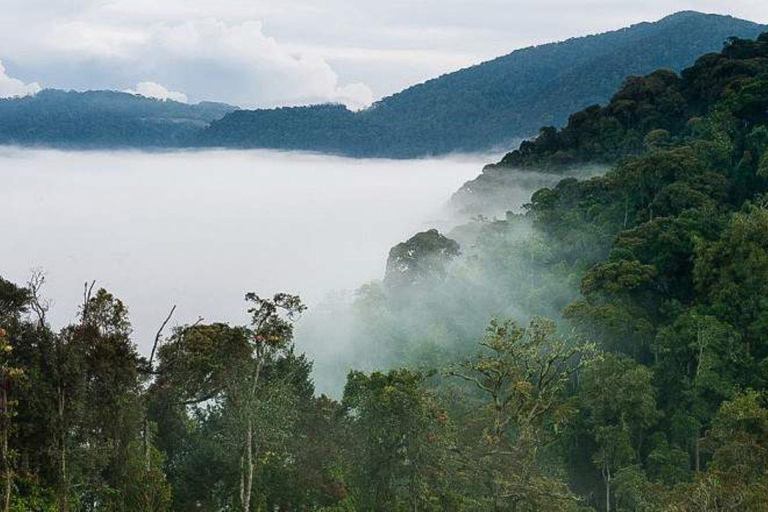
102, 119
483, 107
491, 104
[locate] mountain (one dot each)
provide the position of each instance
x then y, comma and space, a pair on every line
491, 104
646, 116
102, 119
483, 107
604, 350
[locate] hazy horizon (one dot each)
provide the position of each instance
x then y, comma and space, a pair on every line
298, 53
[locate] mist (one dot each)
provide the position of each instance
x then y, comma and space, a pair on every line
200, 229
506, 268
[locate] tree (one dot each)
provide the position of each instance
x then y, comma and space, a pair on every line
402, 432
421, 258
522, 374
9, 375
13, 302
100, 407
737, 477
618, 400
272, 335
727, 272
222, 367
701, 362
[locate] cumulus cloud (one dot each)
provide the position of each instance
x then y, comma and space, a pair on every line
251, 68
307, 51
212, 59
355, 96
157, 91
14, 88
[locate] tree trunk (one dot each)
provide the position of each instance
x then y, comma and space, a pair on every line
7, 471
8, 489
607, 475
697, 451
62, 494
247, 469
147, 444
147, 452
248, 465
626, 211
242, 480
247, 486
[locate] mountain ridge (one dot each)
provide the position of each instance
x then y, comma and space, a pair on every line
492, 103
488, 106
102, 119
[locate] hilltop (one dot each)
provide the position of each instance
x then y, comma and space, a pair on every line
489, 105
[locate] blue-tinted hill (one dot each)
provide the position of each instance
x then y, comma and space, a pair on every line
102, 119
482, 107
490, 104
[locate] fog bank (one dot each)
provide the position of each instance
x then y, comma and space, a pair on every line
199, 229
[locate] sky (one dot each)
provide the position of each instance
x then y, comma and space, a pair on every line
267, 53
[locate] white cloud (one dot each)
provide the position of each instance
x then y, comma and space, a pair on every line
13, 88
96, 40
249, 67
157, 91
355, 96
306, 50
212, 59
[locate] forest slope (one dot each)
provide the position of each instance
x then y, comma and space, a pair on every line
491, 104
102, 119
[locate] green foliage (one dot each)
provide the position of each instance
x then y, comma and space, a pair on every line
421, 258
144, 489
522, 376
661, 264
669, 249
403, 436
737, 478
618, 403
726, 273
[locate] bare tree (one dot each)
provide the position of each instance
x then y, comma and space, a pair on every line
37, 303
146, 433
87, 294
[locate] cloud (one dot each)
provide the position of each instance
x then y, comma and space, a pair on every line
355, 96
249, 67
96, 40
212, 59
157, 91
14, 88
306, 51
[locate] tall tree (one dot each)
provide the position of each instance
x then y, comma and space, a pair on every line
403, 434
619, 401
522, 373
221, 368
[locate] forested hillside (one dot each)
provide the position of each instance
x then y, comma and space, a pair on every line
645, 390
489, 105
479, 108
102, 119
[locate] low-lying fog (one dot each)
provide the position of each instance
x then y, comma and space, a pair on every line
199, 229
